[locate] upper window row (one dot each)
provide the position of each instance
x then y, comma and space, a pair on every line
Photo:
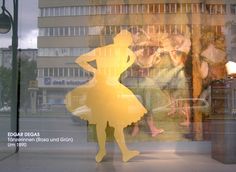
233, 9
62, 72
136, 9
113, 30
62, 51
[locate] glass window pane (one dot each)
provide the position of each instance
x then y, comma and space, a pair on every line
61, 29
66, 73
50, 71
40, 73
60, 71
233, 8
78, 9
56, 72
62, 11
167, 8
82, 10
76, 72
46, 72
151, 8
103, 9
50, 32
67, 11
118, 9
145, 8
57, 11
162, 8
92, 10
86, 10
73, 11
184, 8
98, 10
161, 43
108, 9
66, 31
113, 9
81, 72
71, 72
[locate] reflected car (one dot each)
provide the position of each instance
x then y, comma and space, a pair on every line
45, 108
5, 109
202, 104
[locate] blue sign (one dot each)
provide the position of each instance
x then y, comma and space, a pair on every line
47, 81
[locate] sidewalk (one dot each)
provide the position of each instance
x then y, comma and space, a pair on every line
154, 157
83, 161
79, 156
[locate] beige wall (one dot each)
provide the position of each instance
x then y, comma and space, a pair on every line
134, 19
46, 62
58, 3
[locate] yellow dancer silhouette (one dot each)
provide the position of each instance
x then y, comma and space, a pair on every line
104, 100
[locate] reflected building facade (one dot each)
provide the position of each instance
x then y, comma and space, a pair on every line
70, 28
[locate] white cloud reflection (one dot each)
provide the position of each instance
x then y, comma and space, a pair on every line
29, 40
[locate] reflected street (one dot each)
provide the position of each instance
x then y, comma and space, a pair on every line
48, 127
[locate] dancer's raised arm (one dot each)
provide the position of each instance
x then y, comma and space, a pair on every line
84, 59
132, 58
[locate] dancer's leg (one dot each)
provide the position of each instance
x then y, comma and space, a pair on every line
187, 115
173, 107
154, 130
101, 136
135, 130
126, 153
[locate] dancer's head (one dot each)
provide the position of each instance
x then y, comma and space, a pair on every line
124, 38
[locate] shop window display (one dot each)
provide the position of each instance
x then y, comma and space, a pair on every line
180, 51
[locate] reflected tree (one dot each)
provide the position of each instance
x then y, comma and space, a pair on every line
5, 85
28, 72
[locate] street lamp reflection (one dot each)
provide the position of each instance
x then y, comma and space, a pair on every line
5, 20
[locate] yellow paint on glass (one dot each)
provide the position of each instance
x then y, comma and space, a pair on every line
104, 100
